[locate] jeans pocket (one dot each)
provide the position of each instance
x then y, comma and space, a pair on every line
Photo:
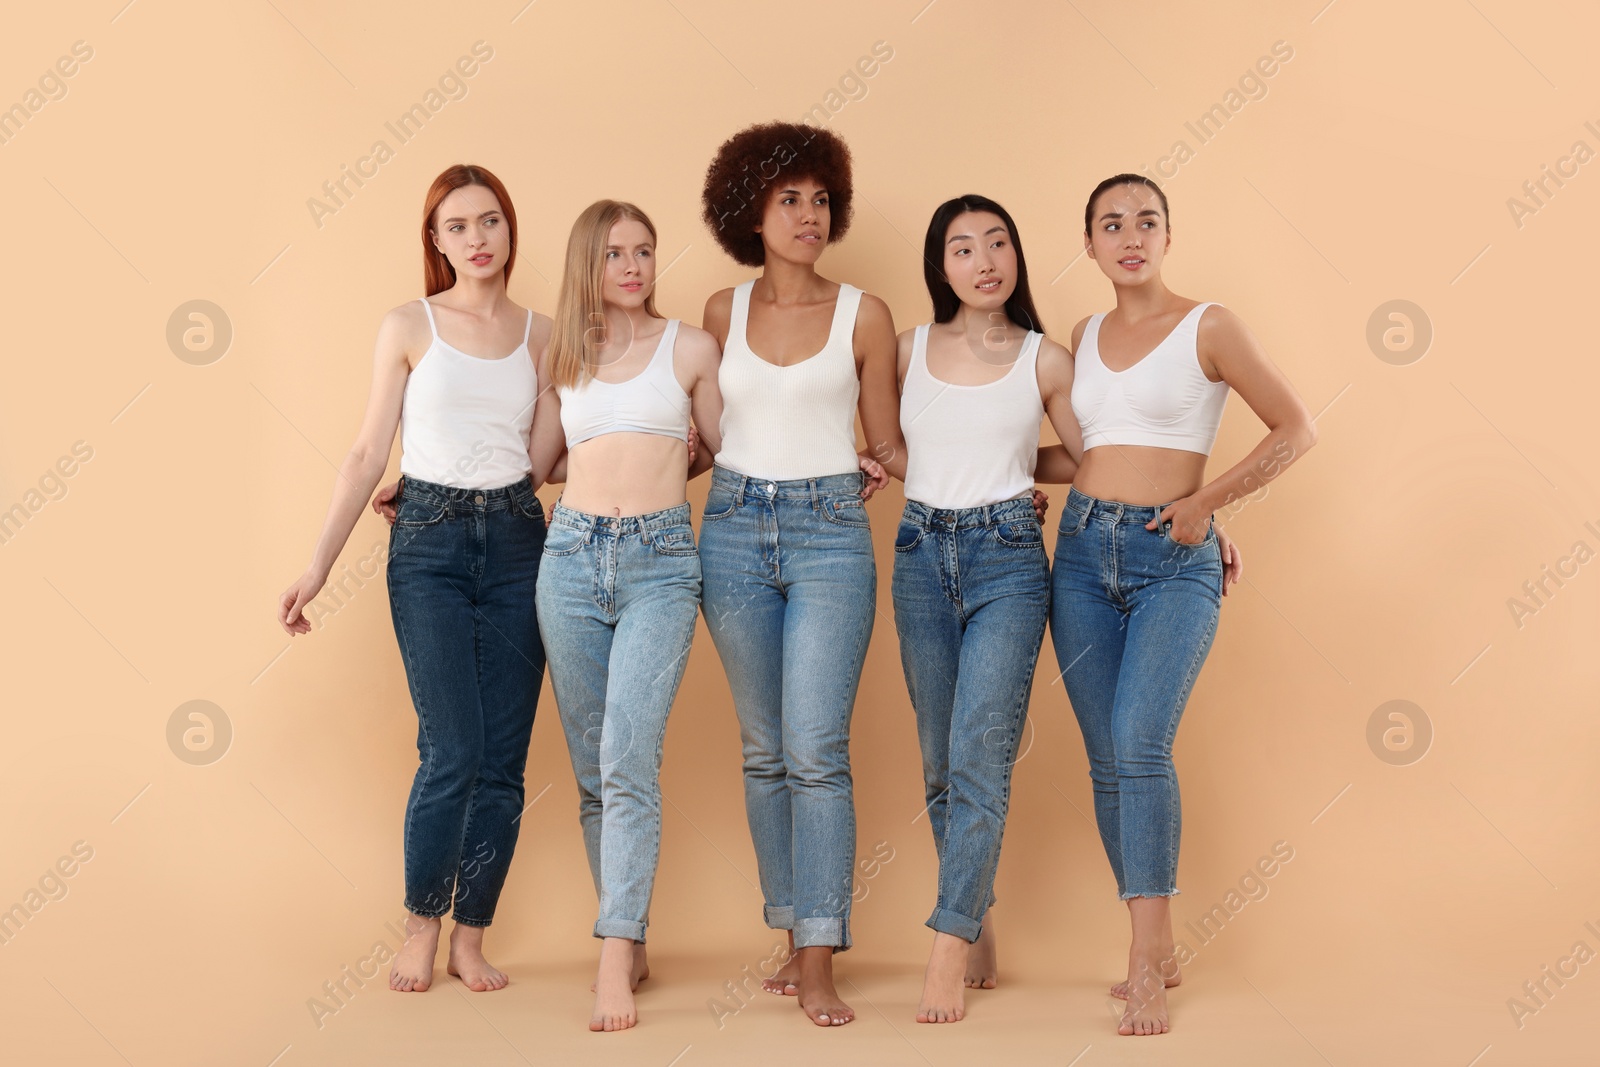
845, 511
719, 505
908, 536
564, 540
1019, 533
527, 505
674, 541
419, 512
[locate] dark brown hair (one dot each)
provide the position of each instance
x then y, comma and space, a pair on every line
745, 169
1123, 179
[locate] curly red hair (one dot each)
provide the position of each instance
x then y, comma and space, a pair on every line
743, 174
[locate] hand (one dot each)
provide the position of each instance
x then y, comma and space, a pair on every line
1188, 519
877, 477
694, 444
293, 600
1041, 505
383, 502
1232, 561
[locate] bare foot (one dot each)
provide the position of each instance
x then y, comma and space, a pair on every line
818, 999
641, 969
467, 962
1169, 965
613, 998
982, 971
1147, 999
942, 998
784, 982
412, 971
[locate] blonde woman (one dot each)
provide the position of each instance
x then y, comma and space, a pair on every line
620, 586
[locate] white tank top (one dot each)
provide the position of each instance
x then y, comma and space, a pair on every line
797, 421
970, 445
651, 401
464, 420
1164, 400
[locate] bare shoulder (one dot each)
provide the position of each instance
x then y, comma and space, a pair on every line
1219, 324
720, 304
1077, 332
404, 332
1054, 355
697, 346
874, 311
539, 335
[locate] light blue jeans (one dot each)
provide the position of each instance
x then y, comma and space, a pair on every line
790, 592
617, 599
971, 598
1132, 616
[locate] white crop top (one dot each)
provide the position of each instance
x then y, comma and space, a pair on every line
797, 421
1164, 400
464, 420
970, 445
651, 401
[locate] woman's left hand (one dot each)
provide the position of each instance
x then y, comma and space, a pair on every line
1041, 505
1232, 560
877, 477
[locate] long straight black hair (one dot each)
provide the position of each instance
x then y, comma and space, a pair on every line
1019, 308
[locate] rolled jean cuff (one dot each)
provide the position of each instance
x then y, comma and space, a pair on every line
463, 920
620, 928
1129, 894
954, 923
818, 933
778, 918
426, 912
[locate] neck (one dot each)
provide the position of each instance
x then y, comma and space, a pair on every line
787, 282
1136, 302
624, 322
980, 324
481, 296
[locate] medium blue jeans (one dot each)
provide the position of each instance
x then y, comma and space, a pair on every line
1132, 616
617, 605
971, 598
791, 589
462, 570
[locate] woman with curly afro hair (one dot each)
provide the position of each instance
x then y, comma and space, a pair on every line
790, 584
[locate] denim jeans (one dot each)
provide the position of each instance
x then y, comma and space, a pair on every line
971, 598
462, 570
791, 589
617, 604
1132, 617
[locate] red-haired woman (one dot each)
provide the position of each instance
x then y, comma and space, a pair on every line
463, 559
785, 548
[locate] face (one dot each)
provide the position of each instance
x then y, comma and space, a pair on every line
794, 225
471, 230
630, 264
980, 260
1128, 236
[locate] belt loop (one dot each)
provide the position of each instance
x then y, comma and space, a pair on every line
738, 490
811, 486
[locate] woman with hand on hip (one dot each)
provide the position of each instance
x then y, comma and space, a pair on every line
620, 587
1139, 569
462, 565
790, 579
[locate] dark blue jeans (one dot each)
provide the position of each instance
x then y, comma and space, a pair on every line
462, 570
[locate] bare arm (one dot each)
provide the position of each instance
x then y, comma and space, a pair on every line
547, 444
361, 469
877, 355
1226, 345
700, 358
1058, 464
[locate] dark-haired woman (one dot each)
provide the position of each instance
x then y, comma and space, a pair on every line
1139, 571
462, 565
971, 580
785, 547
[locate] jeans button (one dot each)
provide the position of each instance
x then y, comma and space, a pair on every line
478, 499
771, 488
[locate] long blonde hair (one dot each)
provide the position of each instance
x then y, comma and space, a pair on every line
580, 310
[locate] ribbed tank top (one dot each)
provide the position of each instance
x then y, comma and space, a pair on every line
651, 401
464, 420
970, 445
797, 421
1164, 400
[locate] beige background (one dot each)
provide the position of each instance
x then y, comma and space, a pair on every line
1377, 167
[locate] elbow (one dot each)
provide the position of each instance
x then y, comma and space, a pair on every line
1308, 436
